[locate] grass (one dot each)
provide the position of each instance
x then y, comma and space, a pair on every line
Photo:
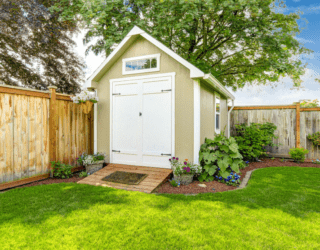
280, 209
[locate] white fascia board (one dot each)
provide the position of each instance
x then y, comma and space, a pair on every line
194, 71
214, 82
105, 62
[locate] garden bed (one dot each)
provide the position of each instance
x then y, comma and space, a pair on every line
215, 186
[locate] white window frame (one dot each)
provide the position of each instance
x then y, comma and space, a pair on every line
124, 72
217, 113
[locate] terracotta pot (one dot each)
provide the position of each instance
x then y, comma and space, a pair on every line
86, 107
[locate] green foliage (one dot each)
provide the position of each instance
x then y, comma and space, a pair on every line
83, 174
315, 138
272, 158
298, 154
36, 47
282, 160
61, 170
309, 104
174, 183
184, 168
252, 139
316, 161
220, 155
84, 158
237, 41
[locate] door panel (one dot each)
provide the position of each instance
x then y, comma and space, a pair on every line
125, 124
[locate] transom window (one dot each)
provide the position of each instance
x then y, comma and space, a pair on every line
141, 64
217, 115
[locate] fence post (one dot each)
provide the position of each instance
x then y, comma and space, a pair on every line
298, 125
52, 125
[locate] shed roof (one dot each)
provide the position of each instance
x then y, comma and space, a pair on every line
135, 32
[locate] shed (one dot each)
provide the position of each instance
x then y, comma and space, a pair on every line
154, 105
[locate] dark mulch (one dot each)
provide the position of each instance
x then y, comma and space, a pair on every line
74, 178
215, 186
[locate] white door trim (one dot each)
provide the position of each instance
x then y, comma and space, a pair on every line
152, 76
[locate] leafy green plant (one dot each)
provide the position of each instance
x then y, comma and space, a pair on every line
61, 170
84, 158
282, 160
316, 161
83, 174
309, 104
298, 154
232, 180
272, 158
252, 139
219, 156
174, 183
184, 168
315, 138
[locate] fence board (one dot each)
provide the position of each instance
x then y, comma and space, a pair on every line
285, 120
25, 138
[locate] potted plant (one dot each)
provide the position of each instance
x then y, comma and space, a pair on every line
86, 99
185, 172
92, 163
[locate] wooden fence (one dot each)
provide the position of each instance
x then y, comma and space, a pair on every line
293, 126
37, 127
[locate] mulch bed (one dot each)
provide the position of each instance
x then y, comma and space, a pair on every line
193, 188
215, 186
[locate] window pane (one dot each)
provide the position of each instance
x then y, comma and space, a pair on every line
153, 63
217, 121
217, 105
128, 66
145, 64
134, 65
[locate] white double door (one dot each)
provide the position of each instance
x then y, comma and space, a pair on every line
142, 121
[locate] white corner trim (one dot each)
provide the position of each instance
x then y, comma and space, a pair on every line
95, 128
196, 121
229, 113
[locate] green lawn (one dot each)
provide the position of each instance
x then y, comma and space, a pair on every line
280, 209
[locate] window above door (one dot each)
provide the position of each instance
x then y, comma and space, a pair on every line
141, 64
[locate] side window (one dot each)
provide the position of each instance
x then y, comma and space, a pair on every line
217, 115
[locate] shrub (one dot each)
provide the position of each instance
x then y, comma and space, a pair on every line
83, 174
315, 138
174, 183
61, 170
252, 139
298, 154
219, 157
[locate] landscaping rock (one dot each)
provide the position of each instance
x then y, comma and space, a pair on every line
202, 185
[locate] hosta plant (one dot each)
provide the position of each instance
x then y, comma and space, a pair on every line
219, 157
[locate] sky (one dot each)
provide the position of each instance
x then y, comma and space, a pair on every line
280, 93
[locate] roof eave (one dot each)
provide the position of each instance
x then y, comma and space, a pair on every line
209, 78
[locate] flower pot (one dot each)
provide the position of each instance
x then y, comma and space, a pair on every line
185, 179
86, 107
91, 168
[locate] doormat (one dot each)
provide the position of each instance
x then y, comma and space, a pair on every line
125, 177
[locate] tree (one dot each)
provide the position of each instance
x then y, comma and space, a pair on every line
36, 48
238, 41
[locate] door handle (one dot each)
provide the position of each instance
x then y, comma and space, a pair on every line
140, 114
166, 154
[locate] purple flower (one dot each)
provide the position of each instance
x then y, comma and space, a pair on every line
174, 157
169, 159
185, 163
177, 158
187, 169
